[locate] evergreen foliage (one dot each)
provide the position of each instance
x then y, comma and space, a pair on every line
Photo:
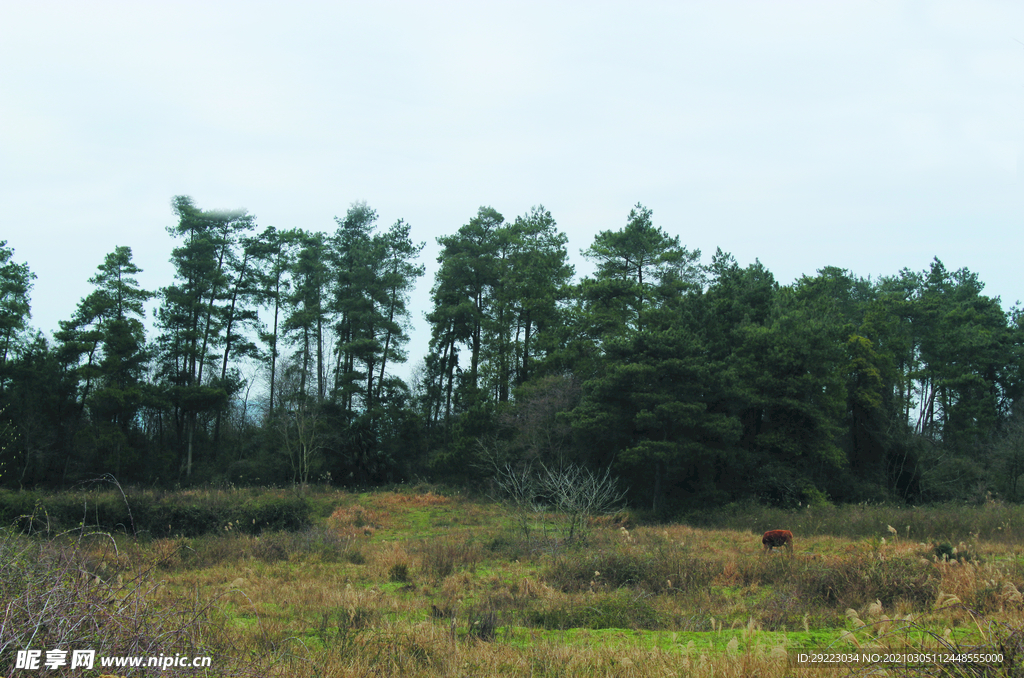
694, 384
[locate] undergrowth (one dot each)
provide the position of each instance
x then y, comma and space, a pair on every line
56, 596
396, 583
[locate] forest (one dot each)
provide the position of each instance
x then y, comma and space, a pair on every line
272, 360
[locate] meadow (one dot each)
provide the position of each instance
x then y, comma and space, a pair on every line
427, 582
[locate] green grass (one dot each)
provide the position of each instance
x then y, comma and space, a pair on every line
372, 586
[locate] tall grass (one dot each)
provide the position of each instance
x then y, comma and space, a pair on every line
156, 513
400, 584
56, 595
992, 521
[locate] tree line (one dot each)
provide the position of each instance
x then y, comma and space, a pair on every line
696, 384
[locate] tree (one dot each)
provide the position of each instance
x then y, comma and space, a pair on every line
634, 265
463, 294
302, 428
653, 412
374, 273
238, 314
194, 314
354, 272
649, 392
308, 320
534, 280
274, 253
539, 430
1009, 456
496, 297
114, 405
959, 380
397, 273
15, 285
103, 362
799, 395
37, 405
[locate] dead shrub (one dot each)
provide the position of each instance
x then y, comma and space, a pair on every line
53, 600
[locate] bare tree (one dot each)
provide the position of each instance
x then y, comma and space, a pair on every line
301, 427
572, 491
519, 488
578, 493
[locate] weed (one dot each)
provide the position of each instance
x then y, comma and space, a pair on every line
620, 565
946, 552
856, 581
399, 572
441, 612
52, 600
356, 521
326, 599
483, 624
619, 610
441, 557
359, 618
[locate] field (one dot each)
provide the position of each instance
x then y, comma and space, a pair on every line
427, 583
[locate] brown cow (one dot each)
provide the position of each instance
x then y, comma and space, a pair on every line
774, 538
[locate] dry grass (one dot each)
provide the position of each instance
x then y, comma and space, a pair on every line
441, 587
356, 521
67, 593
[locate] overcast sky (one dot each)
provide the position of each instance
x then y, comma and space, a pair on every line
869, 135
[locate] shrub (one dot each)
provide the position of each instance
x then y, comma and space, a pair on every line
187, 514
946, 552
619, 566
483, 624
853, 582
620, 610
271, 548
993, 520
399, 572
574, 492
53, 600
898, 579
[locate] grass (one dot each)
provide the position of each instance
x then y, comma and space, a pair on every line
992, 521
429, 584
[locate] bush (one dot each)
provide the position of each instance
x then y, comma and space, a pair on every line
483, 624
620, 566
854, 582
230, 546
54, 599
620, 610
949, 522
188, 513
946, 552
399, 572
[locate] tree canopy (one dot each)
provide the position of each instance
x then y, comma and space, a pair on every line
695, 382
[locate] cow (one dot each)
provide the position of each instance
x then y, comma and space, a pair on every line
774, 538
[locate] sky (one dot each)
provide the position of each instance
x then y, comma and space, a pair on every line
872, 135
